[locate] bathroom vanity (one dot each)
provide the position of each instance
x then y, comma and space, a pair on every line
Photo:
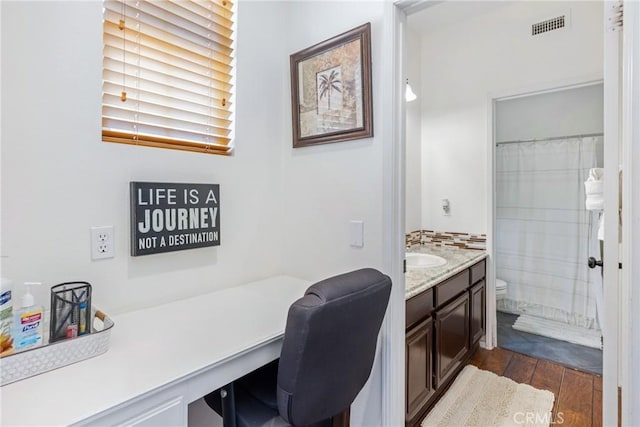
445, 320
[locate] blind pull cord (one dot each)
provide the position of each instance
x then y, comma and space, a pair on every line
123, 95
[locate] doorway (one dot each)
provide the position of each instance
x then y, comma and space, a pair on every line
621, 85
472, 60
548, 172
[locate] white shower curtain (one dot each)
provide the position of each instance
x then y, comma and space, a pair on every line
544, 234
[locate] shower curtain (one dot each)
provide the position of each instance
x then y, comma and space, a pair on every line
544, 234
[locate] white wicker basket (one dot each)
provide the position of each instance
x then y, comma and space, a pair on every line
18, 366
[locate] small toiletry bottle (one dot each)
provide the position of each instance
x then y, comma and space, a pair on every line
28, 322
83, 318
6, 317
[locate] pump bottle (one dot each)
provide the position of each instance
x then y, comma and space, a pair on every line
28, 322
6, 318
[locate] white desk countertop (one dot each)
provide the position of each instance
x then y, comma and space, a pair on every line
184, 342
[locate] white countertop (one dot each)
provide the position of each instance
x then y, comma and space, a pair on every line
152, 348
419, 280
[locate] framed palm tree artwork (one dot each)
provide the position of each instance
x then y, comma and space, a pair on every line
331, 89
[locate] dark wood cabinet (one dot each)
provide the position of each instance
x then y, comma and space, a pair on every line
452, 287
478, 312
419, 355
478, 271
452, 337
418, 308
444, 324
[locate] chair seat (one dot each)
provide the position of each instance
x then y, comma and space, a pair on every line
250, 412
255, 400
261, 384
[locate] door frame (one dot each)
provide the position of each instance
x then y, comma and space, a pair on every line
616, 309
396, 29
491, 339
630, 277
393, 336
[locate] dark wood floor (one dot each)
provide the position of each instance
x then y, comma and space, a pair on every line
578, 395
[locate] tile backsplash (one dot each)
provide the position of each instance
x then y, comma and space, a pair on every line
447, 238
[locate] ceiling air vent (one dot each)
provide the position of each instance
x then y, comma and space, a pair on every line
548, 25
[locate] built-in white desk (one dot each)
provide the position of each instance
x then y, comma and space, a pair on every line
161, 359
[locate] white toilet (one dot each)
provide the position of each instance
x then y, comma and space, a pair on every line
501, 289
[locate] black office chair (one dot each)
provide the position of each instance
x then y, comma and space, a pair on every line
326, 358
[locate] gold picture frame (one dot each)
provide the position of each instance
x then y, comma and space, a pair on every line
331, 89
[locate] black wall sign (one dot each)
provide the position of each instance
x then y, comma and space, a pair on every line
168, 217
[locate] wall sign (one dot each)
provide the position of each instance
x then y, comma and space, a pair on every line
167, 217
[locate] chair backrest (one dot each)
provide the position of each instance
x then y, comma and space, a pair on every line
329, 345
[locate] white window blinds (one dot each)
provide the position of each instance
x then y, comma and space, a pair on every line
167, 74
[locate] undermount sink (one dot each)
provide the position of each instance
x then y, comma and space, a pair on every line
416, 261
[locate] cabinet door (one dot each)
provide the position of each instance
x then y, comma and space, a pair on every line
452, 337
419, 367
478, 308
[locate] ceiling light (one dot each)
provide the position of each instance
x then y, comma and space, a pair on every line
409, 95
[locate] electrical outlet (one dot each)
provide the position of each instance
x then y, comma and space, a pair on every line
102, 242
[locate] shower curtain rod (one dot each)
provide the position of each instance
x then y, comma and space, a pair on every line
553, 138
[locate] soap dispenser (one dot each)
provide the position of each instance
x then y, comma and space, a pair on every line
28, 322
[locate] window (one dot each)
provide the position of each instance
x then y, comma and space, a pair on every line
167, 74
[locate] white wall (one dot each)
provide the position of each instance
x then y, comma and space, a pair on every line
282, 210
59, 179
327, 186
573, 111
462, 63
566, 112
413, 139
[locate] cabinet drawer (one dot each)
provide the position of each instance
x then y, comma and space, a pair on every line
478, 272
451, 287
418, 307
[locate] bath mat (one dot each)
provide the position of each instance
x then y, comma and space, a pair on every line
558, 330
482, 398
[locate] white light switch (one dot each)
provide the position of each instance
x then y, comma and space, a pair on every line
356, 234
